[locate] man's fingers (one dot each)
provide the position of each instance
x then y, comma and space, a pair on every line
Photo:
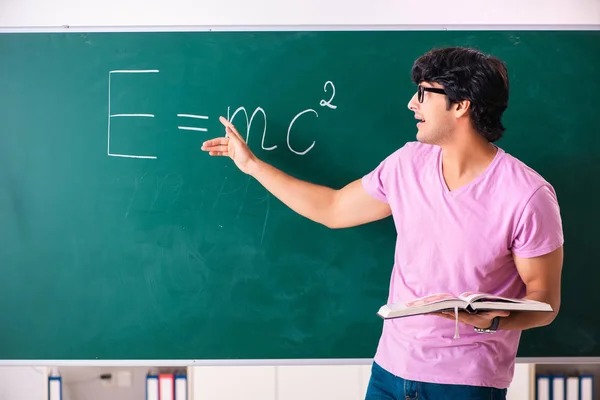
499, 313
494, 313
229, 128
443, 315
217, 153
225, 122
231, 133
215, 142
215, 148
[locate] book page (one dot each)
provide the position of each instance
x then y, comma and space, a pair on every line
470, 297
434, 298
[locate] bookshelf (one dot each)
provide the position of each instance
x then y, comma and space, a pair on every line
567, 368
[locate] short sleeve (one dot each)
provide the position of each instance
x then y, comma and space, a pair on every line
539, 230
375, 182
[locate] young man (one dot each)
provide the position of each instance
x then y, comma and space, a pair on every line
468, 216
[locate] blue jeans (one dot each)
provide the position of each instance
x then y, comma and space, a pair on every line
385, 386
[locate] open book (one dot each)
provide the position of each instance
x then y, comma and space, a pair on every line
471, 302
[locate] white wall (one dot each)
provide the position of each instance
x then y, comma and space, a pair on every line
281, 383
23, 383
18, 13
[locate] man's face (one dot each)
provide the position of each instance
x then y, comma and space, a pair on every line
436, 122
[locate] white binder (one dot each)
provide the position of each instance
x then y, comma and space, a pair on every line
180, 387
152, 387
542, 387
54, 388
586, 387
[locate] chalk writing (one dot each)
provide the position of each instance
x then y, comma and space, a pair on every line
258, 111
249, 124
290, 129
324, 103
189, 128
145, 71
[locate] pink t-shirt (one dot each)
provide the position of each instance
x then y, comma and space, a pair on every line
458, 241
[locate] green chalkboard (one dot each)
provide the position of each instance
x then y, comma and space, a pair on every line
120, 239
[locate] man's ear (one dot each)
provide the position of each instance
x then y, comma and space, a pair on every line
461, 108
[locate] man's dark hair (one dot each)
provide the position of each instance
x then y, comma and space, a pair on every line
468, 74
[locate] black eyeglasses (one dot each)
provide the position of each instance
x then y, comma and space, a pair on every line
421, 92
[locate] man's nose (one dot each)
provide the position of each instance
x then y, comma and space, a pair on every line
413, 104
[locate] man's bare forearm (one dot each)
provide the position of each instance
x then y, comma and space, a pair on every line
307, 199
527, 319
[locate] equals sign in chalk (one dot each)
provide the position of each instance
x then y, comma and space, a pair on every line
191, 128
